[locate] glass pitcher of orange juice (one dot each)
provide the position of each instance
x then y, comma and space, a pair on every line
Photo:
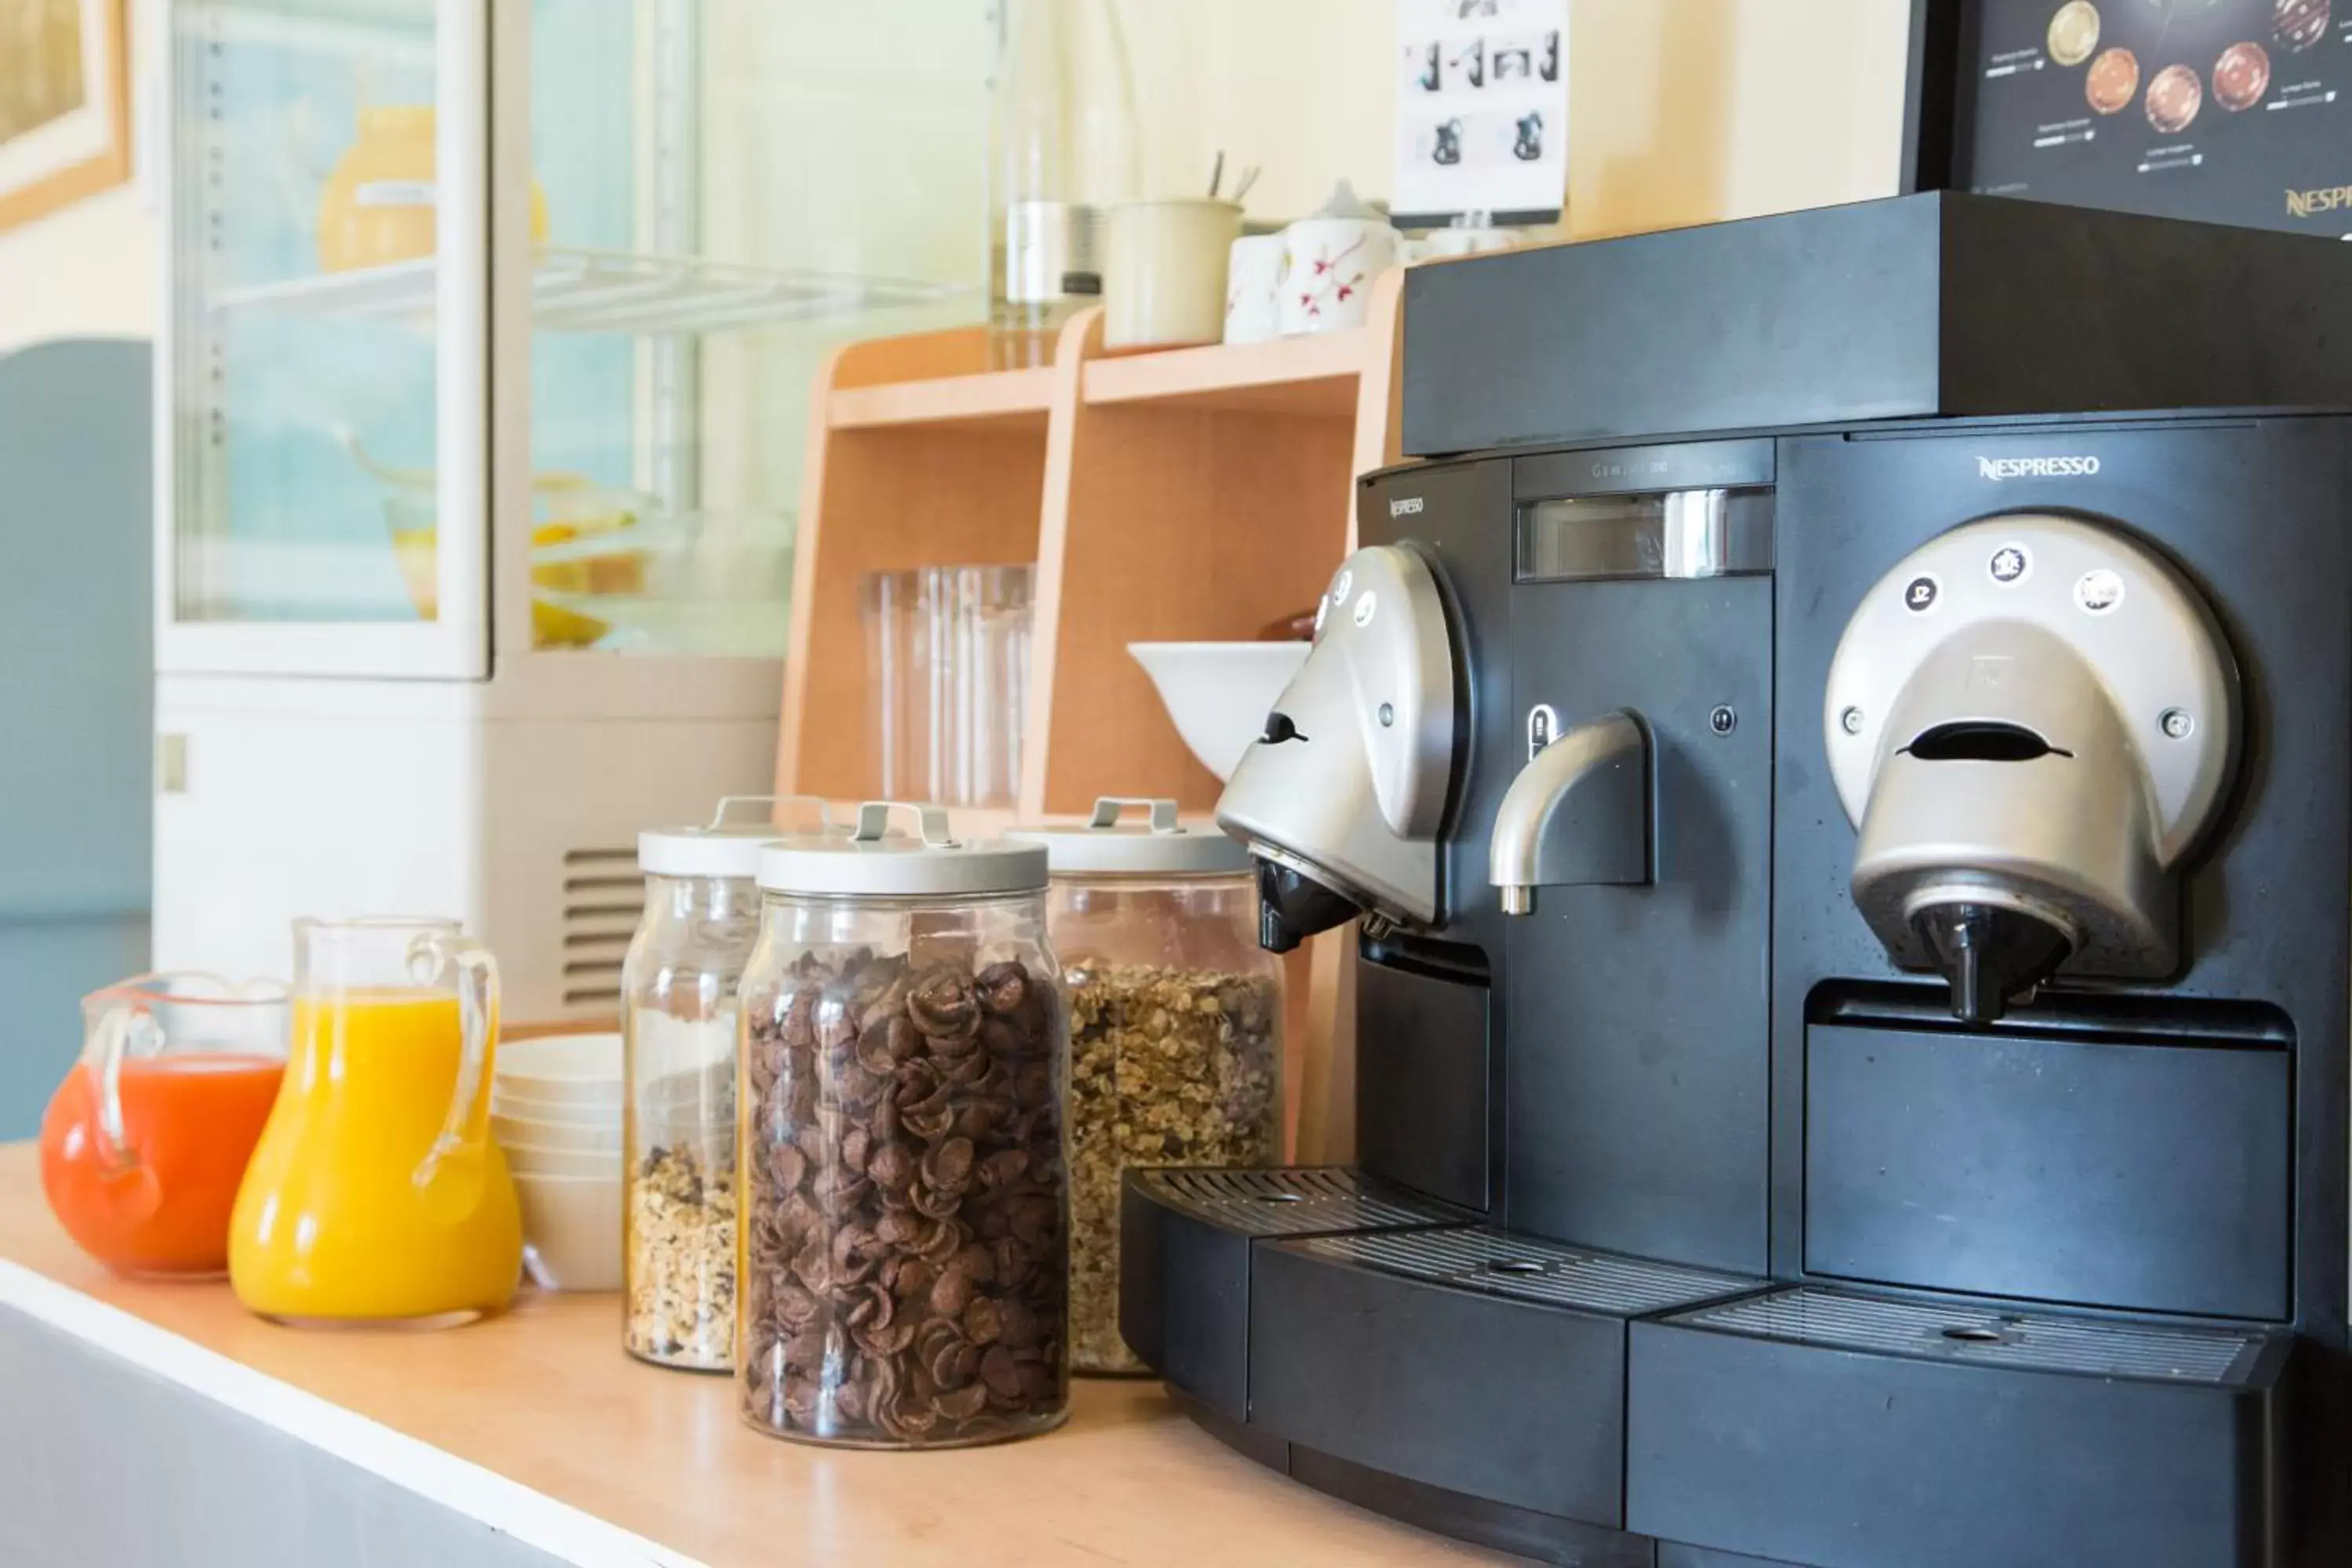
377, 1194
144, 1143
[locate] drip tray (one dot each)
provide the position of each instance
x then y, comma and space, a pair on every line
1851, 1430
1528, 1268
1308, 1201
2101, 1349
1470, 1359
1185, 1242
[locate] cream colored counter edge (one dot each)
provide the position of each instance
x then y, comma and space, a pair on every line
532, 1518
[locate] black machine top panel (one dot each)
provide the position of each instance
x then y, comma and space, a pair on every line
1941, 304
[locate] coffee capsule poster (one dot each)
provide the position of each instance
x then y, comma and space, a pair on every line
1482, 113
2230, 110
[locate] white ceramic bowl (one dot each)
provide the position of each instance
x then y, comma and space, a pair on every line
572, 1231
562, 1068
535, 1160
512, 1131
1219, 693
599, 1114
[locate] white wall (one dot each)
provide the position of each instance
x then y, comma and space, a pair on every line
1682, 111
87, 272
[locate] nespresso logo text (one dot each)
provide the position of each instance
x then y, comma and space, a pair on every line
1404, 505
2311, 203
2035, 467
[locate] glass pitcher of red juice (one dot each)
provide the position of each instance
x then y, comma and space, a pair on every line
144, 1143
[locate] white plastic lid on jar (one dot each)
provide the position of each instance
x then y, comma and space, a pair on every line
1109, 845
873, 861
722, 848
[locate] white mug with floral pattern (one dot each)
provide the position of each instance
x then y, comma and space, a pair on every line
1328, 262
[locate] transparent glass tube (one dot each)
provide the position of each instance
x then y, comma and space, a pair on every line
947, 662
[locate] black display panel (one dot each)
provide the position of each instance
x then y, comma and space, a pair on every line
2233, 112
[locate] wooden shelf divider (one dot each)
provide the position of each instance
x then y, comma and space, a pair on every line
1312, 375
1191, 495
986, 397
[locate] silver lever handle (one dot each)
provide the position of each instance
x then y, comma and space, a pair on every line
1577, 815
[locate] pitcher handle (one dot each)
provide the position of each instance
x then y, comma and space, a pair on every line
127, 1028
433, 956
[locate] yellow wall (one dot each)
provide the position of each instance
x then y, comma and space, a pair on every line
1682, 112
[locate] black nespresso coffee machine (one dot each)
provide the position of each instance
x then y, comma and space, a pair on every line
1845, 789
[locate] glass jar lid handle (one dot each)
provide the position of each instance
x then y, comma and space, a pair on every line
1109, 808
729, 813
931, 823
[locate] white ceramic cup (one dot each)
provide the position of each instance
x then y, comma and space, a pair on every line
1328, 268
1253, 289
1164, 279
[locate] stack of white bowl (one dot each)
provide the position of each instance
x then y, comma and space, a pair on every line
555, 1109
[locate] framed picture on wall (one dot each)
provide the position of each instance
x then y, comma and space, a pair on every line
65, 110
2236, 111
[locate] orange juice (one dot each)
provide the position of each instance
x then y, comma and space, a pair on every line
332, 1222
190, 1124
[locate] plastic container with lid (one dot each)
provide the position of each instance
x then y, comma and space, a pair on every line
678, 1027
1175, 1028
906, 1215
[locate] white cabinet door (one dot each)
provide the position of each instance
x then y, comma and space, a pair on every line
323, 374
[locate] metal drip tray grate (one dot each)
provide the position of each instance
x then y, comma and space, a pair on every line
2102, 1348
1529, 1270
1292, 1203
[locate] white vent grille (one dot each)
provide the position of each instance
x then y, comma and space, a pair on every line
603, 896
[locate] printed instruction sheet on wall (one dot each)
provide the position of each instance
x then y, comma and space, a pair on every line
1482, 113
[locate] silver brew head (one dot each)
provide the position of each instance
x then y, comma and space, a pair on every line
1341, 796
2031, 720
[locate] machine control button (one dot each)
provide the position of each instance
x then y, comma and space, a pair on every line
2010, 563
1365, 606
2098, 591
2177, 724
1920, 595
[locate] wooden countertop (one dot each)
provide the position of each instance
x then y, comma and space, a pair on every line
562, 1440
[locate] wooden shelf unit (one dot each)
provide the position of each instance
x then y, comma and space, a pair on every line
1191, 495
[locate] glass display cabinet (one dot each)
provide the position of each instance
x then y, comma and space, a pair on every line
482, 396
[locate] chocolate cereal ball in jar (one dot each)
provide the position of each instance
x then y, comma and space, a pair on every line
904, 1209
